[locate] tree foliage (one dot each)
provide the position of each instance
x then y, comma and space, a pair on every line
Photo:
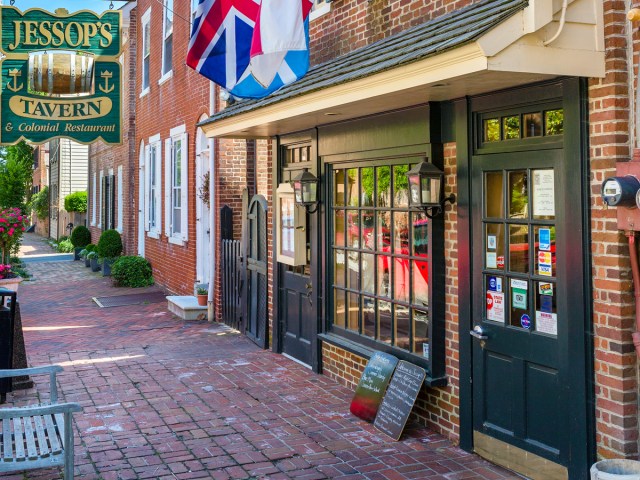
76, 202
40, 203
16, 174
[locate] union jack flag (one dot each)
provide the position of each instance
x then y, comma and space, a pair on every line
250, 47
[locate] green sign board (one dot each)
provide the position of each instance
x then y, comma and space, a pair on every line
61, 76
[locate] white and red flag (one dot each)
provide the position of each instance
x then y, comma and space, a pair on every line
250, 47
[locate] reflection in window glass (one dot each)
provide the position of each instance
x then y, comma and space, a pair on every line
518, 195
532, 124
401, 284
494, 200
554, 122
384, 276
519, 248
367, 230
384, 321
353, 229
400, 186
368, 273
369, 316
511, 127
353, 313
420, 283
421, 332
420, 244
401, 233
384, 232
353, 188
353, 270
338, 188
402, 327
494, 246
384, 186
339, 268
338, 225
339, 313
367, 187
491, 130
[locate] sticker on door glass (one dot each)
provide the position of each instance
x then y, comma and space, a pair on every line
547, 323
495, 306
545, 289
546, 303
519, 294
543, 194
500, 261
525, 321
491, 242
492, 260
495, 284
544, 264
544, 239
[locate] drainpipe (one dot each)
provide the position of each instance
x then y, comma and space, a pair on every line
635, 270
212, 209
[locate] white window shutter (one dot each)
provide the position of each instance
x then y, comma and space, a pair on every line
184, 191
120, 200
100, 199
147, 188
168, 184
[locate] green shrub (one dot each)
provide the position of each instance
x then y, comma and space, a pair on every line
90, 248
110, 244
76, 202
80, 236
40, 203
131, 271
65, 246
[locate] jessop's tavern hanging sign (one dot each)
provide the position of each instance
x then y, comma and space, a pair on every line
61, 76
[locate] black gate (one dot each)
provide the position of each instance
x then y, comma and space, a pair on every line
255, 291
231, 283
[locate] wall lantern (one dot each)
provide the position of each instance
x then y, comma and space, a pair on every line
305, 187
426, 183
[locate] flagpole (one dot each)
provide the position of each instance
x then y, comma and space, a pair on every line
212, 209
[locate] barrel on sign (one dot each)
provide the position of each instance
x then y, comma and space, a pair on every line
61, 72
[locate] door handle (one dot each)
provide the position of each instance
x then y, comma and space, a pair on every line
478, 333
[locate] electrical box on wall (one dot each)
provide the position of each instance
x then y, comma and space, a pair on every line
623, 192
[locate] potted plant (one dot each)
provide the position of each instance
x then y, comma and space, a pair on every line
80, 238
109, 249
88, 249
93, 261
9, 279
203, 295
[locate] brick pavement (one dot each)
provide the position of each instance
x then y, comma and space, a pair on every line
165, 399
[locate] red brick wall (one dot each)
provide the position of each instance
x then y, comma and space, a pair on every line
180, 100
353, 23
613, 303
103, 157
436, 407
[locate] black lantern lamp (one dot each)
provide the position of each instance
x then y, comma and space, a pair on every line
426, 183
305, 187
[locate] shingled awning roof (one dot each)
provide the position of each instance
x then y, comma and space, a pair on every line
429, 41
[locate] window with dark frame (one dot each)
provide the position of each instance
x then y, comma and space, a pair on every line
108, 202
380, 258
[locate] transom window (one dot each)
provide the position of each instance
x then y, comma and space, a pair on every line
380, 257
543, 123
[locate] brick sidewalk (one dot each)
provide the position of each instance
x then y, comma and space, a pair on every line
165, 399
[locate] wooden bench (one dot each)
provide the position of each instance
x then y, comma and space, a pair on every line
37, 436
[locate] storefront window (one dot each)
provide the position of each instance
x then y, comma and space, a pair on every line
380, 276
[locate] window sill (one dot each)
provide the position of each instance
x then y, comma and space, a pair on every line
176, 241
366, 352
145, 92
165, 77
319, 12
152, 234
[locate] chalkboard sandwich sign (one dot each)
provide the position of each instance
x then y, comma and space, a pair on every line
372, 386
399, 400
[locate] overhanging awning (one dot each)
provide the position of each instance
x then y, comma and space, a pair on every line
488, 46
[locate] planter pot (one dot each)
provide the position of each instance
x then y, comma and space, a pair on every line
76, 253
106, 266
87, 262
95, 266
616, 470
11, 283
202, 300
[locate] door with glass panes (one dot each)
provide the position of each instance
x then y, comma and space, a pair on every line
521, 403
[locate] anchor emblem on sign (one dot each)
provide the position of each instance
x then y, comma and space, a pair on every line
106, 88
13, 84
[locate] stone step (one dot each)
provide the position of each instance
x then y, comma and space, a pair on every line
187, 308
